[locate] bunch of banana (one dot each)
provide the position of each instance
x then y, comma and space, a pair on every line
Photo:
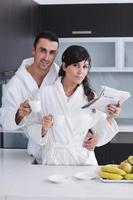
118, 172
127, 166
112, 172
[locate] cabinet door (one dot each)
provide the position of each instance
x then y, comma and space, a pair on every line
128, 54
56, 18
96, 20
126, 11
14, 140
103, 154
103, 51
120, 152
113, 153
82, 20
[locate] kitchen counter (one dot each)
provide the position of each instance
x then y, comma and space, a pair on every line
21, 180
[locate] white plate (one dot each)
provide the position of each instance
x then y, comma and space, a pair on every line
58, 178
85, 175
116, 181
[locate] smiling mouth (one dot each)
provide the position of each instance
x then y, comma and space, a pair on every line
43, 62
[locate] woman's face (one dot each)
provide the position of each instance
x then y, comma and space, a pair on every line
75, 73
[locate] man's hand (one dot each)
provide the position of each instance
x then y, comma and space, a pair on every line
23, 111
90, 141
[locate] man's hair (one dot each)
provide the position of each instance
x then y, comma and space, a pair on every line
46, 35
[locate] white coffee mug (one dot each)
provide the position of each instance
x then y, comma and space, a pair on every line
35, 106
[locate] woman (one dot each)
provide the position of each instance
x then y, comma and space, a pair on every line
64, 125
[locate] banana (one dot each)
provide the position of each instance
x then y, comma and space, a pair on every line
113, 169
126, 166
113, 165
130, 159
111, 176
128, 176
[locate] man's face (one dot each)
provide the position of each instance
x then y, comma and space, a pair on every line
44, 53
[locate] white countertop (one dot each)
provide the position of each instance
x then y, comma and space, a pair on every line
122, 128
20, 180
125, 124
126, 128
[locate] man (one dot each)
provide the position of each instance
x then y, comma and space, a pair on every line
33, 74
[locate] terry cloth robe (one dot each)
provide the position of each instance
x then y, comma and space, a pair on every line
63, 143
21, 87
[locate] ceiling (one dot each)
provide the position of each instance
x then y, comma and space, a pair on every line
45, 2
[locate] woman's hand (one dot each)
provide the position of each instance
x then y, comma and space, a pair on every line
113, 111
47, 122
90, 141
23, 111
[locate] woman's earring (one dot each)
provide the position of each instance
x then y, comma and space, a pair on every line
63, 66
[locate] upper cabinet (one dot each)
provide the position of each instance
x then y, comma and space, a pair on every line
126, 20
108, 54
103, 52
127, 57
96, 20
57, 18
89, 20
82, 20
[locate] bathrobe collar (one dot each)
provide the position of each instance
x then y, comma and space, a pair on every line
25, 76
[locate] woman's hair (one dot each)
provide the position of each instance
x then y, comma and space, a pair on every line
75, 54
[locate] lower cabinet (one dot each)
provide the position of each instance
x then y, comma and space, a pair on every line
113, 153
14, 140
103, 154
120, 152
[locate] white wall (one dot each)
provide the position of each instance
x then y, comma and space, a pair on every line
81, 1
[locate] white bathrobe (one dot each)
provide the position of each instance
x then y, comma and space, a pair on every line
20, 88
63, 144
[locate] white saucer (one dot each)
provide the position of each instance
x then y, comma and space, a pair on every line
58, 178
84, 175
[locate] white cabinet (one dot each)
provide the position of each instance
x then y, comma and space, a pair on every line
128, 54
107, 54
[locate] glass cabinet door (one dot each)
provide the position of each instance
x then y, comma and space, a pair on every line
103, 52
128, 54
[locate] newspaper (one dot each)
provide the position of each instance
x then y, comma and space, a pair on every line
108, 96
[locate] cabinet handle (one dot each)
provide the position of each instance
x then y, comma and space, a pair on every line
81, 32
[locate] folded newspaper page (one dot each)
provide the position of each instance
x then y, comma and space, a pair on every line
108, 96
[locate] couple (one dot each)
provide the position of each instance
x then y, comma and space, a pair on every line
67, 143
